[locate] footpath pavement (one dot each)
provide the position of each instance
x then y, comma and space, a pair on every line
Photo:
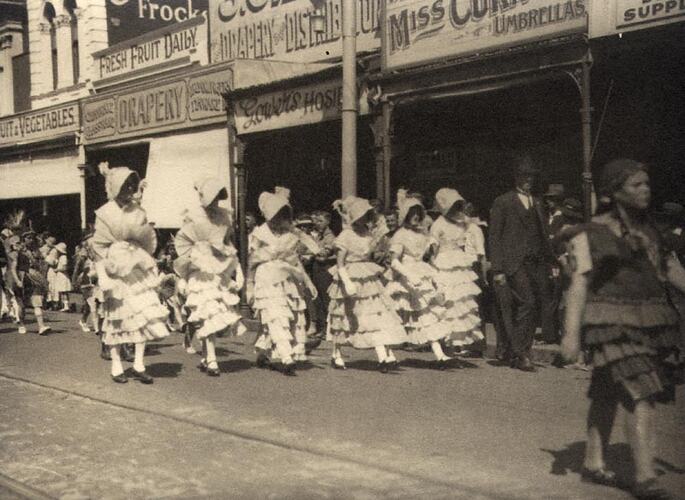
476, 432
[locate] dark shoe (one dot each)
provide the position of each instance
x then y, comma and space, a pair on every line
312, 343
648, 490
439, 364
288, 370
105, 354
524, 364
599, 476
213, 372
263, 361
120, 379
393, 365
203, 365
383, 367
142, 376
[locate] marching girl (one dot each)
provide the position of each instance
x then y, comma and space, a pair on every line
61, 281
360, 313
454, 260
123, 244
207, 262
412, 286
280, 282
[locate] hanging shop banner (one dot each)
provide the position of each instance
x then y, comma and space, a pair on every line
171, 105
39, 125
127, 19
161, 49
420, 31
282, 29
293, 107
615, 16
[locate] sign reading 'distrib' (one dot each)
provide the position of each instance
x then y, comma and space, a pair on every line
39, 125
293, 107
282, 29
419, 31
171, 105
163, 47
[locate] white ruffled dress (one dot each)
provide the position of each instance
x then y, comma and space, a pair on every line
366, 319
419, 306
456, 280
208, 264
279, 286
127, 275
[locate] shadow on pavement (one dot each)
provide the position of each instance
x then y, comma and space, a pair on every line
222, 351
164, 370
366, 365
234, 365
155, 349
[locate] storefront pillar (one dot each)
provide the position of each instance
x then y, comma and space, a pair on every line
82, 191
586, 118
382, 133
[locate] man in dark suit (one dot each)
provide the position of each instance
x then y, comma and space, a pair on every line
521, 256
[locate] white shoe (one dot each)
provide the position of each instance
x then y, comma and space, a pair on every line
84, 327
44, 330
191, 350
65, 309
22, 330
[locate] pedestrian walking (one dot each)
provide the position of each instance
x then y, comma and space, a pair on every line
618, 308
360, 313
454, 260
522, 258
123, 245
413, 280
208, 263
279, 283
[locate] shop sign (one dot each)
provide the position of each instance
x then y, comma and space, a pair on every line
186, 102
419, 31
615, 16
293, 107
281, 29
39, 125
160, 48
127, 19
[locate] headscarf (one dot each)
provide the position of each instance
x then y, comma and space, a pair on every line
272, 203
114, 178
445, 198
404, 203
352, 208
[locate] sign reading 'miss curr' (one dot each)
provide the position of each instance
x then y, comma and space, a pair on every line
161, 48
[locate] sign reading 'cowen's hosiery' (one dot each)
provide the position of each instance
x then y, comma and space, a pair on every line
419, 31
293, 107
281, 29
159, 107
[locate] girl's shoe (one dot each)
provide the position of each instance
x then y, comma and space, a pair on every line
84, 326
383, 367
601, 476
213, 371
142, 376
203, 365
22, 330
289, 370
120, 379
338, 364
263, 361
649, 490
44, 330
65, 309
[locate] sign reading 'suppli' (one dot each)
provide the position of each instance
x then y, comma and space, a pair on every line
419, 31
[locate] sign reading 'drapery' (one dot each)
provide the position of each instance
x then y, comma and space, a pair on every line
293, 107
418, 31
162, 47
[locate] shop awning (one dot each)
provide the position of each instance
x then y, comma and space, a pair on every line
175, 162
253, 73
45, 175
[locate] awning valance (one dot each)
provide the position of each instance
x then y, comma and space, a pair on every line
46, 175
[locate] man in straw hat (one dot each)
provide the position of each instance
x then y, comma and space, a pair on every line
521, 256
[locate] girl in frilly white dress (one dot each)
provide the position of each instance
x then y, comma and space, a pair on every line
123, 244
208, 263
62, 283
360, 313
412, 285
280, 282
454, 260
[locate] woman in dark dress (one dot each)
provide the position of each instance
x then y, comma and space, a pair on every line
618, 309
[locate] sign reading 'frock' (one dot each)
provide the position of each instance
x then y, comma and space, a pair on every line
419, 31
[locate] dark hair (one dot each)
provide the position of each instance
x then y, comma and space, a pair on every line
415, 210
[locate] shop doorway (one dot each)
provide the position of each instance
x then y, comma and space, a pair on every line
307, 161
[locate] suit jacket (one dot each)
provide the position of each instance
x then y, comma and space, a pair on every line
508, 219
